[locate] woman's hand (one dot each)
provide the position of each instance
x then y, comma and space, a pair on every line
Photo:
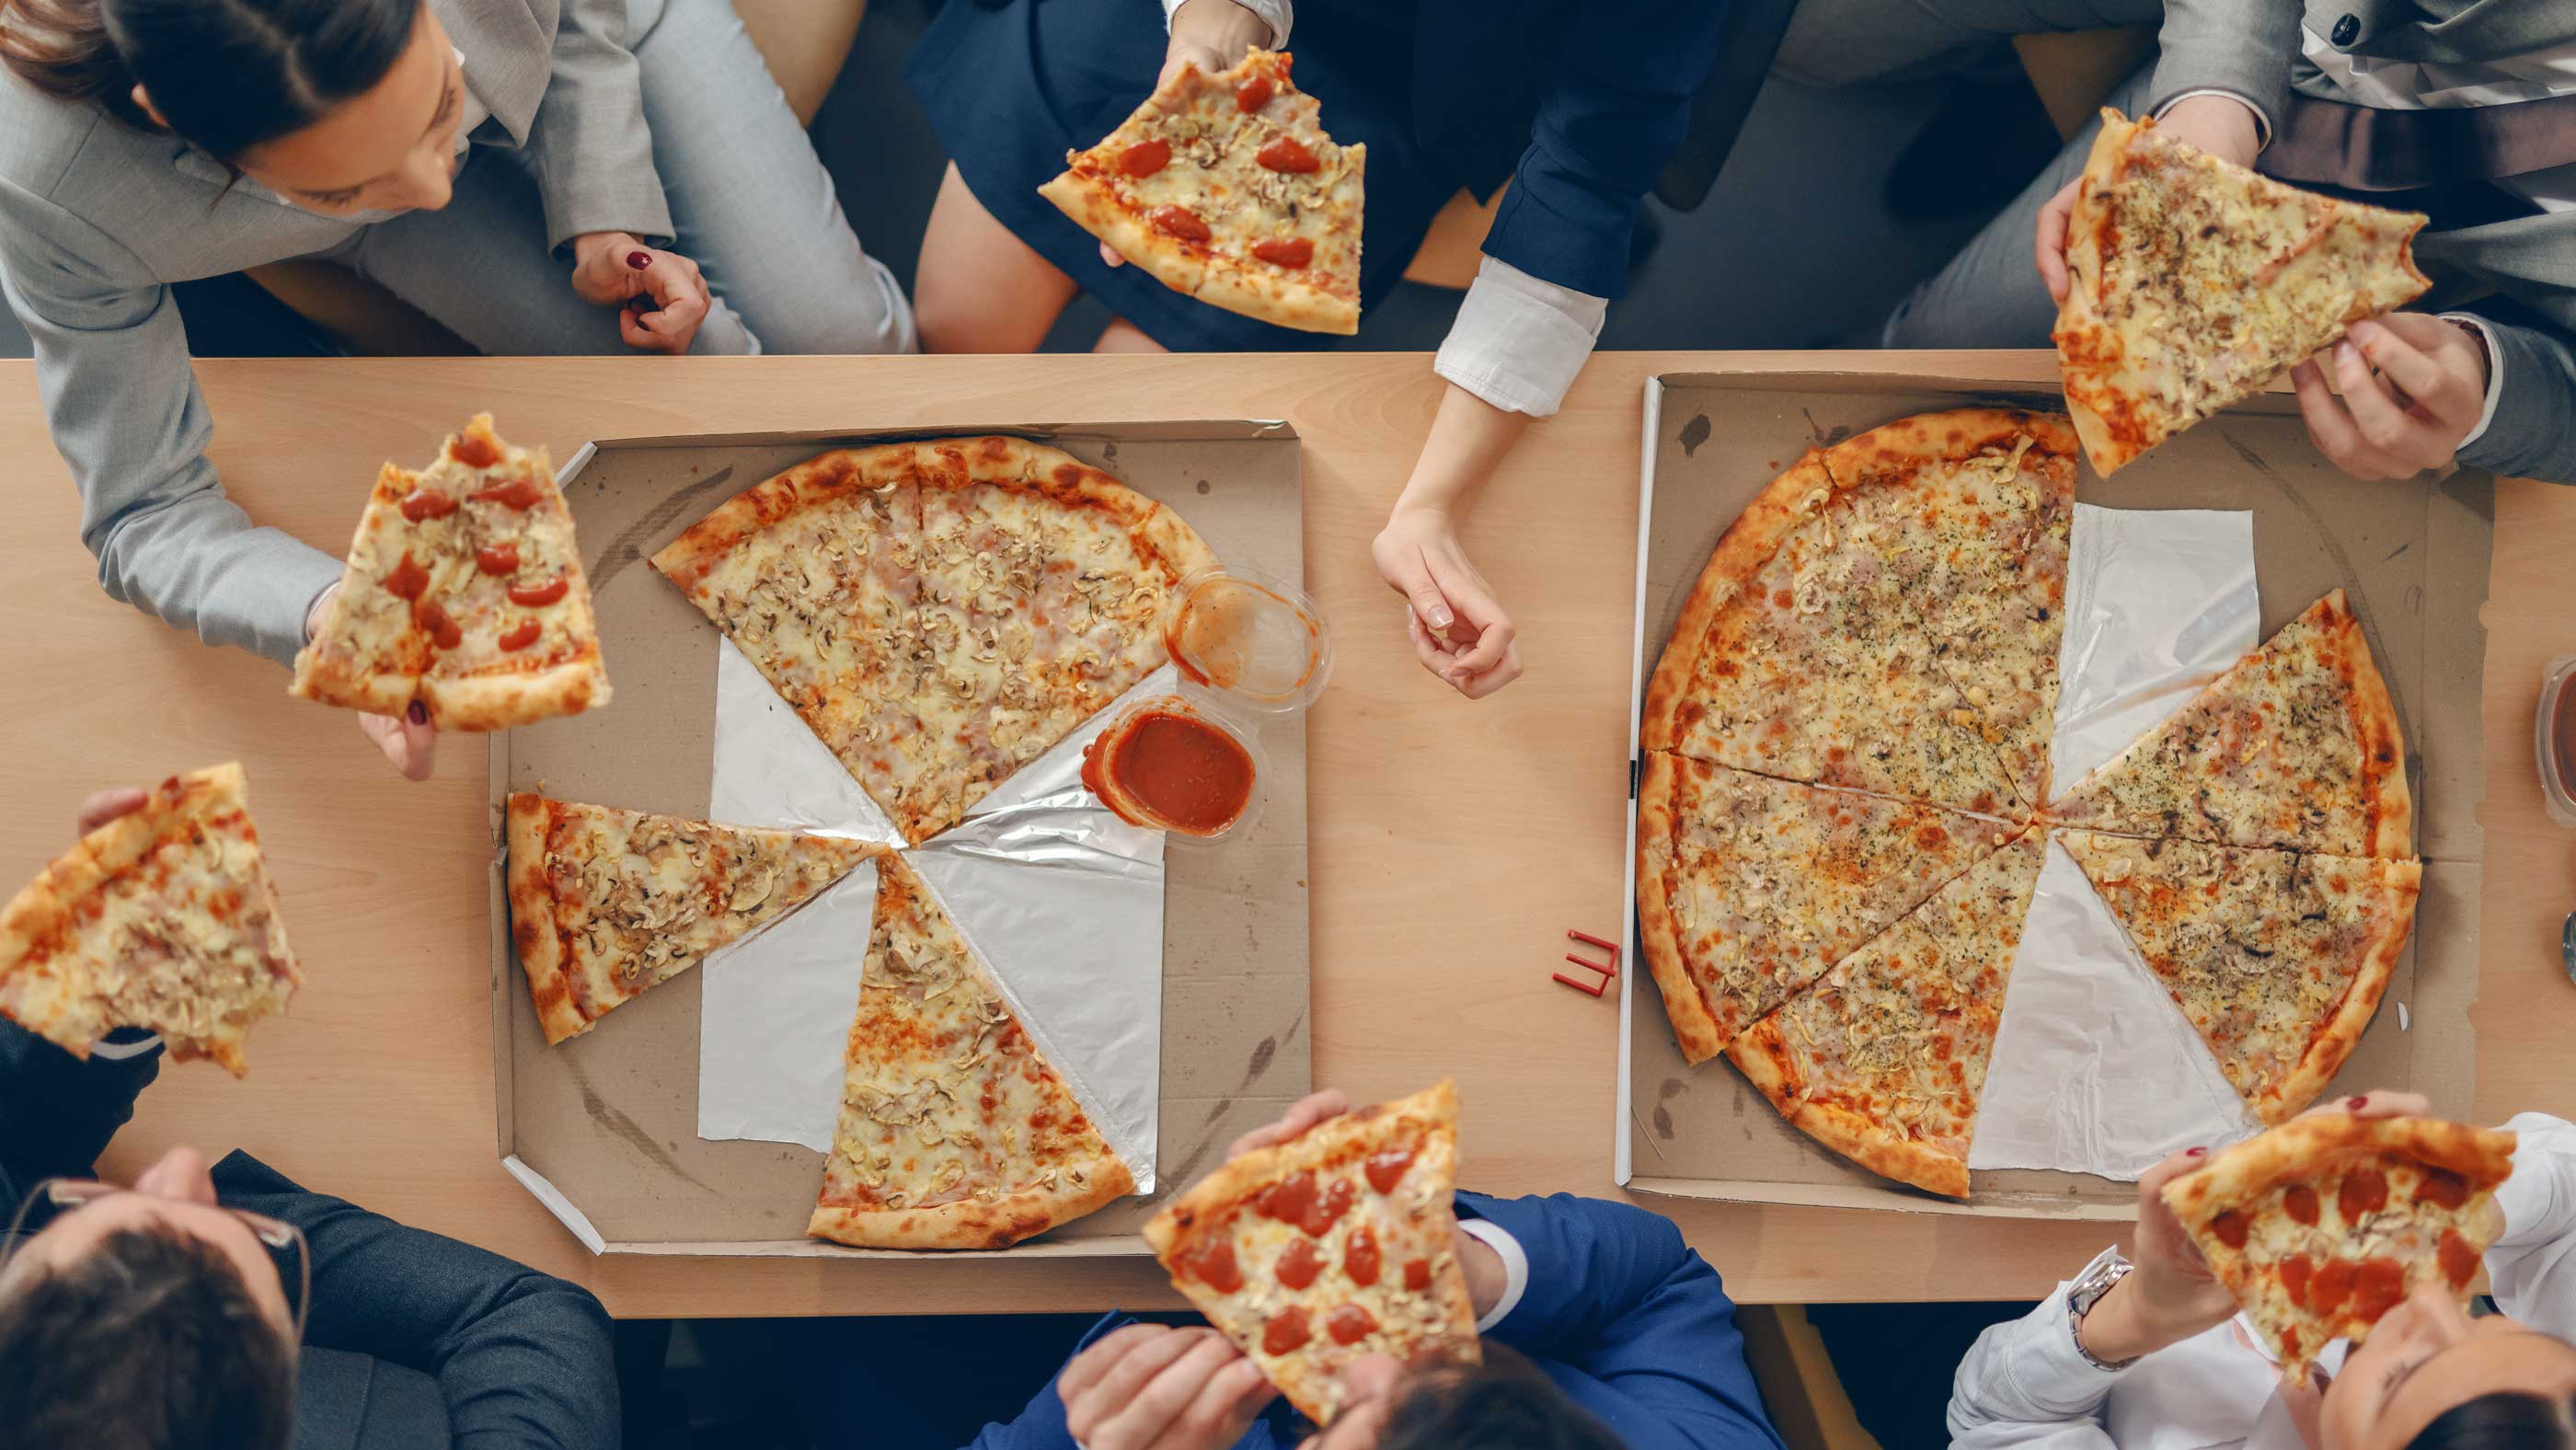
1459, 630
106, 805
2222, 126
660, 295
1152, 1387
408, 740
1209, 34
2412, 387
2172, 1295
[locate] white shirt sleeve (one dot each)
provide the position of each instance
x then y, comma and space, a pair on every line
2495, 378
2025, 1385
2533, 1265
119, 1051
1515, 1269
1277, 14
1519, 342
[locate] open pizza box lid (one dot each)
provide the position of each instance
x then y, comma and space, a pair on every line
602, 1128
2413, 557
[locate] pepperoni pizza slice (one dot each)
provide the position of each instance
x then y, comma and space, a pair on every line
464, 593
164, 918
1336, 1244
2325, 1223
605, 903
1226, 189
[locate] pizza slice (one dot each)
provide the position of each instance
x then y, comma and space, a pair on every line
2325, 1223
1972, 511
955, 1131
1795, 656
605, 903
463, 593
2277, 958
164, 918
1884, 1060
1748, 888
1226, 189
2193, 283
2295, 746
1335, 1244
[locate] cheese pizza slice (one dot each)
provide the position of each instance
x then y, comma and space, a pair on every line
1796, 656
2193, 283
606, 903
955, 1132
2322, 1225
1335, 1244
1748, 888
2277, 958
1884, 1059
2296, 746
1226, 189
164, 918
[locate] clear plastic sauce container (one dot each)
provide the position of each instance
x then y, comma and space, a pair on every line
2554, 739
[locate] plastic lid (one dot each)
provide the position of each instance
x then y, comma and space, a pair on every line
1252, 640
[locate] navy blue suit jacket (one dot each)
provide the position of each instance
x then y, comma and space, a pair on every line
1624, 1317
411, 1339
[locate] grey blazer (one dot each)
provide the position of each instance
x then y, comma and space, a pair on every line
2523, 270
97, 219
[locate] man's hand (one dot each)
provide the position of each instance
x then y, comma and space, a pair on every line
2220, 125
1369, 1386
1149, 1387
2412, 386
1459, 630
660, 296
410, 742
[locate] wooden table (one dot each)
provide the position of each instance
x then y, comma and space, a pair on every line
1453, 843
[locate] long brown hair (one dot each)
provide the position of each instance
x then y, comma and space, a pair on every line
227, 74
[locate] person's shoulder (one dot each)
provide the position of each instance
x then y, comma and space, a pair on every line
42, 136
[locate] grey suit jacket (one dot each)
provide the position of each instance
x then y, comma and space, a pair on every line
97, 218
2518, 275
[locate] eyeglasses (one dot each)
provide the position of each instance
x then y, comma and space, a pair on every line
284, 1242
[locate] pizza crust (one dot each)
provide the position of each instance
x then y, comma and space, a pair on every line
1658, 934
1283, 298
2301, 1147
1762, 1055
1096, 208
1884, 1152
532, 920
2383, 744
1947, 437
503, 701
971, 1223
1435, 1107
2398, 885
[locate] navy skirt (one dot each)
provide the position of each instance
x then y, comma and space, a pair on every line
1012, 85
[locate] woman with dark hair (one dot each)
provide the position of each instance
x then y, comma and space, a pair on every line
541, 176
2149, 1356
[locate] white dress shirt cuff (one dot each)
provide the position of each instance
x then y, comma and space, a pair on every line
2495, 374
120, 1051
2050, 1368
1519, 342
2262, 121
1515, 1270
1277, 14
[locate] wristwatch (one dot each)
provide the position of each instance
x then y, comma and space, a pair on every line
2087, 1291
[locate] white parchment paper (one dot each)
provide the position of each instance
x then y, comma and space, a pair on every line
2095, 1068
1062, 899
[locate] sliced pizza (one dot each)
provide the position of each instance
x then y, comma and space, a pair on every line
1748, 888
1884, 1060
163, 918
463, 593
1796, 656
955, 1131
1335, 1244
1225, 188
1972, 511
2277, 958
606, 903
2325, 1223
2194, 282
2296, 746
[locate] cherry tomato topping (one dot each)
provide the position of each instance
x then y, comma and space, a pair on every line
517, 493
2330, 1286
407, 580
2378, 1288
523, 636
1386, 1169
1417, 1275
1360, 1257
497, 558
1178, 221
423, 504
2295, 1273
1288, 1200
474, 451
1292, 253
1336, 1201
1349, 1324
430, 616
1299, 1263
1254, 94
1286, 1330
1145, 158
2442, 1188
2459, 1259
535, 596
1287, 153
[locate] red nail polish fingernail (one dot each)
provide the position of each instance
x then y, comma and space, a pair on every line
2356, 1104
2193, 1152
419, 713
639, 260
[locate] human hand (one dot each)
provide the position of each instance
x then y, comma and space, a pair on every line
2412, 385
1369, 1385
2171, 1295
660, 296
104, 806
1459, 631
409, 741
2222, 126
1151, 1387
1212, 35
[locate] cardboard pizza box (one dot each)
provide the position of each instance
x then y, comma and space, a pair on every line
2413, 556
602, 1129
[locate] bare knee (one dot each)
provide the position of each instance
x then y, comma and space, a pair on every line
979, 287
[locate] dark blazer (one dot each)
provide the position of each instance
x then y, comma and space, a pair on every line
1619, 1312
411, 1342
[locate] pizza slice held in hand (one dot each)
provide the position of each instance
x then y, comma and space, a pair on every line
2193, 283
1226, 189
464, 593
1333, 1245
163, 919
605, 903
2325, 1223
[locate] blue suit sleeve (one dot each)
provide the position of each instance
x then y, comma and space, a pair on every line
1631, 1321
57, 1111
1617, 110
